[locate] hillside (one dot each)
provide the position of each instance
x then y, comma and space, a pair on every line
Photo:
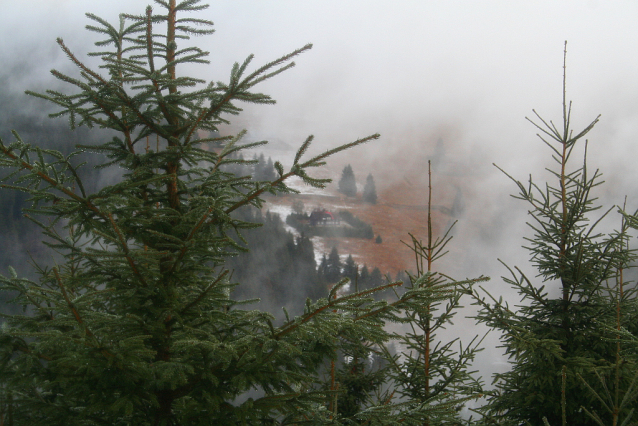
398, 212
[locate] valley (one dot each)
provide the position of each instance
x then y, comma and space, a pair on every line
397, 213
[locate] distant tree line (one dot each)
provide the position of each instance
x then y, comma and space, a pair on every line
259, 168
332, 269
16, 232
279, 268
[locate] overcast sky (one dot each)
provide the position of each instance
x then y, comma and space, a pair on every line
414, 71
401, 68
467, 72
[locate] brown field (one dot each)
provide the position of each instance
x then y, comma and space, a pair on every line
399, 212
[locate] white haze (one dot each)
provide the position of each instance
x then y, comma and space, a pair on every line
415, 71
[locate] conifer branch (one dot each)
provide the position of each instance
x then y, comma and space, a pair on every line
236, 87
55, 184
331, 304
297, 169
23, 347
127, 254
151, 63
115, 90
76, 314
203, 294
149, 45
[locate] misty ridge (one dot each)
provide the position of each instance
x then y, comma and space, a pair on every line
226, 297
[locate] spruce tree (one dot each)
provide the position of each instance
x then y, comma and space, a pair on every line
264, 170
277, 267
429, 381
616, 387
135, 322
376, 278
370, 190
298, 207
353, 378
348, 183
269, 173
557, 339
350, 269
333, 266
323, 267
364, 277
431, 371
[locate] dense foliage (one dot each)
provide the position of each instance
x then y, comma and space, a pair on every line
136, 322
567, 361
277, 267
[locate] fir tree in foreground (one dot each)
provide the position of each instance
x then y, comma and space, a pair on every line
135, 323
616, 387
560, 341
431, 368
429, 381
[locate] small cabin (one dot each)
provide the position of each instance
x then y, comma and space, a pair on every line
322, 217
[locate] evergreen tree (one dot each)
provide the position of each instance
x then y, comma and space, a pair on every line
350, 269
376, 278
357, 380
298, 207
354, 379
323, 267
260, 163
430, 371
370, 190
558, 345
617, 387
333, 266
402, 276
347, 183
135, 323
364, 277
269, 171
278, 268
264, 170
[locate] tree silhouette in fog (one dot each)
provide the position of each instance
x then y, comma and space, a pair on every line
370, 191
348, 183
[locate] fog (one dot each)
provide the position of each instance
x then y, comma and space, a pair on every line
413, 71
464, 72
